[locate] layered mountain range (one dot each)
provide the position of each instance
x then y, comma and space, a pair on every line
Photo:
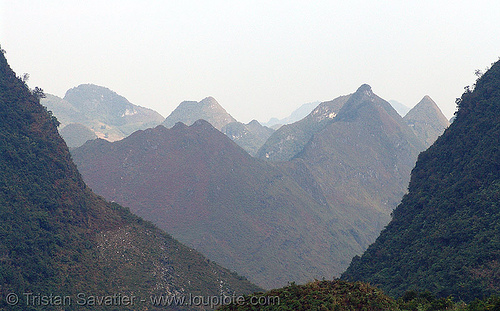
249, 136
296, 115
444, 235
290, 139
60, 239
99, 110
274, 222
208, 192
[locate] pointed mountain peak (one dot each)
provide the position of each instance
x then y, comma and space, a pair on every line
427, 98
427, 101
363, 100
209, 101
254, 123
426, 120
207, 109
365, 89
364, 92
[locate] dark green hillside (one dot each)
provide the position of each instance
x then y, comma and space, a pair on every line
339, 295
57, 237
318, 295
444, 236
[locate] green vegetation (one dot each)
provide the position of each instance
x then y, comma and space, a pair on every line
341, 295
444, 236
58, 238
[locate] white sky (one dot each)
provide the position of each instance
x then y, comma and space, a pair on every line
259, 59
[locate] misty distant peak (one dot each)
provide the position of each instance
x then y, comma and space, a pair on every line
207, 109
426, 120
210, 102
254, 123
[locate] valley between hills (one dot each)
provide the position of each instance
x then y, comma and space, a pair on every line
294, 203
201, 204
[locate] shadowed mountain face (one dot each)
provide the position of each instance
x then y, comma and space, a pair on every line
273, 222
107, 114
362, 161
207, 191
290, 139
427, 121
444, 235
59, 238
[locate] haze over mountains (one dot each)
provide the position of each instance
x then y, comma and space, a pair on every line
444, 235
277, 220
249, 136
61, 239
427, 121
101, 111
402, 109
290, 139
296, 115
298, 220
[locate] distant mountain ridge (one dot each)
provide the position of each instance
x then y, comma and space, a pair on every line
296, 115
402, 109
198, 184
362, 160
248, 136
107, 114
290, 139
444, 235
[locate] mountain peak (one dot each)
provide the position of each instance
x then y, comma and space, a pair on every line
365, 102
365, 89
426, 120
179, 126
207, 109
210, 101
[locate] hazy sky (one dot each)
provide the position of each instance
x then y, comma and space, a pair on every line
259, 59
